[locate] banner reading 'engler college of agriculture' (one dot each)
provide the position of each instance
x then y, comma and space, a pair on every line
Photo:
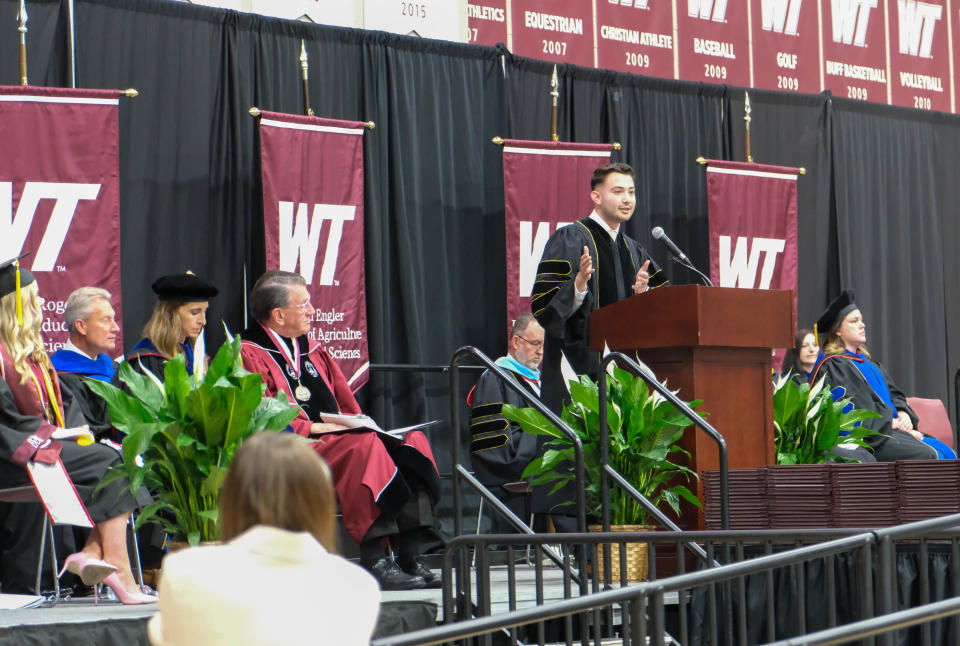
546, 184
313, 220
59, 194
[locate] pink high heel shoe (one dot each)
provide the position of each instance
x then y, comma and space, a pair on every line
126, 598
90, 570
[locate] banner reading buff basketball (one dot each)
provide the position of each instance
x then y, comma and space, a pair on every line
546, 184
59, 194
313, 224
752, 213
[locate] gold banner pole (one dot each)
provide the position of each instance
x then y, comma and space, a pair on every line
746, 118
304, 66
555, 93
22, 17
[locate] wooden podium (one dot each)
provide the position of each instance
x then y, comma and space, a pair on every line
713, 343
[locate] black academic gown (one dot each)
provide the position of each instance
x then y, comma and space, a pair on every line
567, 329
85, 465
841, 371
500, 450
92, 406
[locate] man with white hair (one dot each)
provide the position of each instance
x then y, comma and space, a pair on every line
93, 328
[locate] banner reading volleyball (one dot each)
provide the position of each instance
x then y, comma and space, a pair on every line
313, 221
752, 213
59, 194
561, 173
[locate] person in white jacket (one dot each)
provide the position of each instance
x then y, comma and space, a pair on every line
276, 579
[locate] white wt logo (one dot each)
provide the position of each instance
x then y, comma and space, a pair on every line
14, 228
531, 249
850, 20
740, 268
780, 16
715, 10
300, 240
917, 20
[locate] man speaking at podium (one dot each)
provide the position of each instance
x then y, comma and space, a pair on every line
585, 266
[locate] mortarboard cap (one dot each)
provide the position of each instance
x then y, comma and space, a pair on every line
12, 278
183, 287
836, 310
8, 276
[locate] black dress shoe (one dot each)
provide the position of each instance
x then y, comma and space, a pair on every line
417, 568
390, 577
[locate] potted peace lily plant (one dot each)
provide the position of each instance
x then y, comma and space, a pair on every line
182, 432
644, 431
809, 424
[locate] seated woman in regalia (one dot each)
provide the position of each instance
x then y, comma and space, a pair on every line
851, 372
33, 413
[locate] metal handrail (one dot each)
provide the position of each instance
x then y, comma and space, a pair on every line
688, 412
877, 625
566, 607
529, 399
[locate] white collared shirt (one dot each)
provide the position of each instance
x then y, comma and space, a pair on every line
606, 227
69, 345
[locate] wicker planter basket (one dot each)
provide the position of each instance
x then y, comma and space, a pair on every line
636, 554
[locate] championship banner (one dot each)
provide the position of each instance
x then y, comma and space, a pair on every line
487, 22
920, 55
561, 172
752, 215
713, 41
854, 49
636, 36
560, 31
313, 221
786, 45
59, 194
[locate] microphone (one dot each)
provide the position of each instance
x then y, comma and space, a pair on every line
659, 234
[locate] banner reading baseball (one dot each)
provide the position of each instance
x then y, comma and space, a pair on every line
752, 214
59, 194
561, 172
313, 221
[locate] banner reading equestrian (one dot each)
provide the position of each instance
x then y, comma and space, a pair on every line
545, 186
752, 213
59, 188
313, 224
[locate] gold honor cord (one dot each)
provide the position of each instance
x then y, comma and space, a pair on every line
19, 297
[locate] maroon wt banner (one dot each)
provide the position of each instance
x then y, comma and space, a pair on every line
752, 213
59, 194
313, 220
561, 172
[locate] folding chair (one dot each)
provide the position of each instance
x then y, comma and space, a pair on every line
28, 494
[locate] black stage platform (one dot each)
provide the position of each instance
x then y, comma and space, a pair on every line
79, 622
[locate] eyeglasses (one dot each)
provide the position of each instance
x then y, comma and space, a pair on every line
303, 307
536, 345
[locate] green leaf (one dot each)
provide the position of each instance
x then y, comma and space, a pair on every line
531, 421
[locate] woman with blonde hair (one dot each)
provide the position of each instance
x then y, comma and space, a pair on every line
33, 414
176, 322
277, 578
851, 372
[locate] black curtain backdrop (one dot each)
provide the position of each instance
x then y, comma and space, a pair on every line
877, 208
890, 234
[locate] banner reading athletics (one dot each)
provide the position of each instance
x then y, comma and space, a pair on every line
752, 212
546, 185
59, 194
313, 220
